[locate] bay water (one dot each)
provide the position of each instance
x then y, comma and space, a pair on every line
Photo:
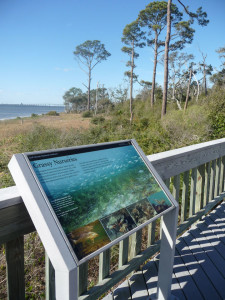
13, 111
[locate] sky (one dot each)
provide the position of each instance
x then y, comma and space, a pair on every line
38, 38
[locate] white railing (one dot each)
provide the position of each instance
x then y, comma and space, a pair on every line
195, 176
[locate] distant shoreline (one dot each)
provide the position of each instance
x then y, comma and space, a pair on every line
19, 117
24, 104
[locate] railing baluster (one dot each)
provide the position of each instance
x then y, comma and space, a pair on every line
160, 228
167, 182
217, 177
193, 191
134, 244
151, 233
212, 180
207, 184
199, 188
15, 269
83, 277
185, 196
123, 252
176, 187
104, 264
49, 279
222, 173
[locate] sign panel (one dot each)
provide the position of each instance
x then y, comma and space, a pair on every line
99, 193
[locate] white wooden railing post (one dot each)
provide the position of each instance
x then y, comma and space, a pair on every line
167, 249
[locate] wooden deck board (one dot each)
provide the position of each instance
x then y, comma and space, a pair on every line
208, 248
122, 292
188, 288
207, 231
217, 281
176, 287
199, 265
201, 280
150, 273
138, 287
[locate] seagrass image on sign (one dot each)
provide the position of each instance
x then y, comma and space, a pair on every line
99, 193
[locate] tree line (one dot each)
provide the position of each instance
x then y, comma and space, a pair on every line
164, 27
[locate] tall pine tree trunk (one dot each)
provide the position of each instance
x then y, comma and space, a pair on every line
89, 89
154, 69
131, 83
188, 89
198, 88
205, 84
167, 42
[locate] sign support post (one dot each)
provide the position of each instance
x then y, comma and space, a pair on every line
66, 286
167, 250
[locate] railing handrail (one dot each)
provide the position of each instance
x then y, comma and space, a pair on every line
9, 196
173, 162
167, 163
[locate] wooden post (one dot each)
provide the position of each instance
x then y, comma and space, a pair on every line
212, 180
134, 244
217, 177
82, 275
222, 175
193, 192
151, 233
167, 249
104, 264
176, 187
123, 252
207, 184
184, 202
15, 269
167, 182
200, 180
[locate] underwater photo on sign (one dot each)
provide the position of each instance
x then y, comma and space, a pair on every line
88, 239
159, 201
141, 211
118, 223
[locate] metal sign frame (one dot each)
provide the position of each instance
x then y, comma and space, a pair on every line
52, 234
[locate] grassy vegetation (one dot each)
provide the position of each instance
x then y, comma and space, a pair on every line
201, 122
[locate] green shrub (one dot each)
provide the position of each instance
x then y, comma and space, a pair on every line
97, 120
39, 138
87, 114
52, 113
34, 115
187, 128
217, 114
144, 122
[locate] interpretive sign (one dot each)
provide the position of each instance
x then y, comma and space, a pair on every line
98, 193
83, 200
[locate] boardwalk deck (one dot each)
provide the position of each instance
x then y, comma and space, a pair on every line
199, 265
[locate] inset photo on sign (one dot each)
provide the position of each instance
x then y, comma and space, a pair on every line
118, 223
88, 239
159, 201
141, 211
